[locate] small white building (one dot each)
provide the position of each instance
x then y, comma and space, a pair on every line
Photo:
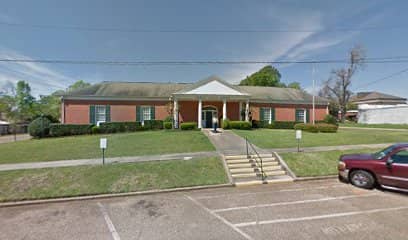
378, 108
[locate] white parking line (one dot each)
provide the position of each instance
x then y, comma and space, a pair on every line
246, 236
292, 203
286, 220
109, 222
272, 191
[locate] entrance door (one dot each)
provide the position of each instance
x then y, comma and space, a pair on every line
207, 116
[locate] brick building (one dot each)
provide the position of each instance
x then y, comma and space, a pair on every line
199, 102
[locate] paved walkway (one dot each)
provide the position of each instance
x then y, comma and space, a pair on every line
80, 162
228, 143
331, 148
10, 138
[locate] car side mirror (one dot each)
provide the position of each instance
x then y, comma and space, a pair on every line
389, 162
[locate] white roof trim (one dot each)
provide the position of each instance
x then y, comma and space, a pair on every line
214, 87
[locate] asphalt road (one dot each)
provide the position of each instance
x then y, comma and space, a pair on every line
306, 210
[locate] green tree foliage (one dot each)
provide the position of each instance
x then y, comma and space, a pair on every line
295, 85
78, 85
24, 100
267, 76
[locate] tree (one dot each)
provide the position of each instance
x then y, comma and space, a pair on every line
78, 85
267, 76
295, 85
24, 101
337, 87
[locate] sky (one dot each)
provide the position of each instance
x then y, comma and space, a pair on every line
388, 38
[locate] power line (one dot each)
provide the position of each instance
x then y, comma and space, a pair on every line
398, 59
136, 30
383, 78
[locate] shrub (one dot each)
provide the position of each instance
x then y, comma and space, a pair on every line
168, 125
282, 125
225, 124
39, 127
153, 124
168, 119
243, 125
59, 130
327, 128
320, 127
330, 119
307, 127
188, 126
95, 130
114, 127
259, 124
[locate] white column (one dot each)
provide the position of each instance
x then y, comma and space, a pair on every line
224, 109
175, 113
247, 111
240, 110
200, 110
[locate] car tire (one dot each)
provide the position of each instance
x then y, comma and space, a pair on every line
362, 179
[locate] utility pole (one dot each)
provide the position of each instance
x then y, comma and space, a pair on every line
314, 92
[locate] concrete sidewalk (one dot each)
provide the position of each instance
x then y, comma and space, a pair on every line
10, 138
385, 129
81, 162
331, 148
228, 143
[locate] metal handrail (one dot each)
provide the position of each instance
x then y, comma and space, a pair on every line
249, 144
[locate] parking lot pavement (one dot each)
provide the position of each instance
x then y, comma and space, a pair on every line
302, 210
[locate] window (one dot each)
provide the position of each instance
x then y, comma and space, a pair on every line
146, 113
400, 157
267, 115
100, 113
300, 115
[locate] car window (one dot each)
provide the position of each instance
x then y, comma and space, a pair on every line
384, 152
400, 157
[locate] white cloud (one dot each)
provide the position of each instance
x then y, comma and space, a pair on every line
41, 78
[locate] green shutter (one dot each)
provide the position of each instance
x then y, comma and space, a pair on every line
261, 114
152, 113
273, 114
138, 114
92, 114
108, 113
307, 115
296, 114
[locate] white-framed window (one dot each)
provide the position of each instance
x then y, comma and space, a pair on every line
146, 113
301, 115
100, 113
267, 116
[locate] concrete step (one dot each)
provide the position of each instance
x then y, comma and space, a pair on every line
266, 159
271, 163
244, 175
254, 174
244, 160
268, 180
242, 170
271, 168
263, 155
240, 165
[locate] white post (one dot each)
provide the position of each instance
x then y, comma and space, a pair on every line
247, 111
175, 113
240, 110
200, 110
224, 109
313, 113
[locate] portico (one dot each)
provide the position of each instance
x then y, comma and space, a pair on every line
215, 99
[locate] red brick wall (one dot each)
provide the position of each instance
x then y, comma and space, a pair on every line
189, 110
286, 112
77, 111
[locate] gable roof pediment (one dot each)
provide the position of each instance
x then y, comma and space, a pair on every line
212, 86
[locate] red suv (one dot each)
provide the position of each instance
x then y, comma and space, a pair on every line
387, 168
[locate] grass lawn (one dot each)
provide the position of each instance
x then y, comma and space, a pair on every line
317, 163
126, 144
127, 177
278, 138
391, 126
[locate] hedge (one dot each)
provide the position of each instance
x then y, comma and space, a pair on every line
320, 127
330, 119
282, 125
243, 125
260, 124
114, 127
59, 130
39, 127
168, 125
225, 124
188, 126
152, 124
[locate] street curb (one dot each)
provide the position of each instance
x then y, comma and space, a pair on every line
315, 178
110, 195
